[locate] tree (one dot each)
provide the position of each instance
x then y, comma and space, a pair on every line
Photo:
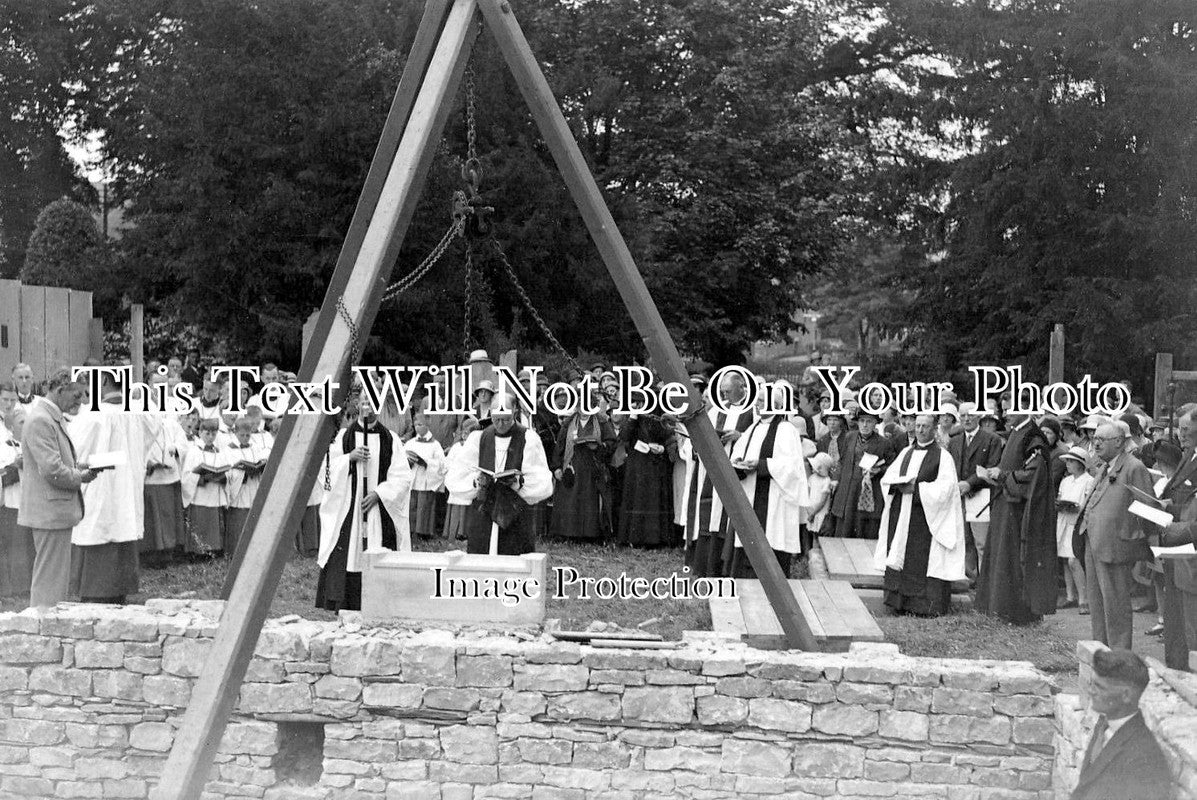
65, 247
1045, 157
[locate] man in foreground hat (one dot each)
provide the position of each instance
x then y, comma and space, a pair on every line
512, 476
1123, 759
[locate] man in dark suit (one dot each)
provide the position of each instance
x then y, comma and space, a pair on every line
1117, 538
1123, 759
51, 500
1180, 574
970, 448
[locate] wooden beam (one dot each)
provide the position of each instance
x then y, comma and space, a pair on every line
614, 251
397, 174
1055, 360
137, 341
1163, 375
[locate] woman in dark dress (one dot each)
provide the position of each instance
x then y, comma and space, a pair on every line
646, 507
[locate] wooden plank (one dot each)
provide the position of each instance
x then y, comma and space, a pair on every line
862, 624
1184, 375
58, 327
1163, 374
559, 139
853, 561
137, 341
861, 553
10, 327
397, 173
835, 628
95, 330
1055, 357
726, 616
836, 557
33, 330
759, 617
80, 327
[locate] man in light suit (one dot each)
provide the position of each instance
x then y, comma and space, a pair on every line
1116, 537
1123, 759
51, 500
970, 448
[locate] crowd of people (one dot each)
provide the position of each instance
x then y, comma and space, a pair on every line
1020, 508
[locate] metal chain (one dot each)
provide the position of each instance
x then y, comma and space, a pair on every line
469, 299
471, 118
354, 331
438, 252
540, 323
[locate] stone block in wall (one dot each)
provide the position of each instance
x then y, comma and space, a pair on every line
551, 677
544, 751
1024, 705
659, 704
26, 621
118, 684
336, 687
484, 671
909, 726
879, 672
392, 695
31, 732
259, 670
962, 701
90, 654
613, 659
281, 643
360, 749
721, 667
530, 703
13, 678
621, 677
25, 648
1033, 730
184, 656
584, 706
913, 698
250, 737
166, 690
672, 759
466, 744
779, 715
786, 672
743, 687
274, 698
977, 679
448, 699
754, 758
807, 692
817, 760
844, 720
721, 710
601, 755
878, 694
356, 656
155, 736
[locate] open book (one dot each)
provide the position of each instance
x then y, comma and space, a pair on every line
1156, 515
499, 476
1180, 551
416, 460
251, 466
209, 469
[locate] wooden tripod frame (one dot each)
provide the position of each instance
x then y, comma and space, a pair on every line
413, 128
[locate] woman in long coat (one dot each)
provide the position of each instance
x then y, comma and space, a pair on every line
582, 498
646, 505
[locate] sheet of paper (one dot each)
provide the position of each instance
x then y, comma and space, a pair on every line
641, 447
868, 460
1180, 551
976, 506
1158, 516
115, 458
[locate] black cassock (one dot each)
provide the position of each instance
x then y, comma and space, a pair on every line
646, 506
1017, 581
910, 589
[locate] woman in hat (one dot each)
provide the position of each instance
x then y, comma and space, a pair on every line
1050, 427
484, 396
1074, 488
581, 465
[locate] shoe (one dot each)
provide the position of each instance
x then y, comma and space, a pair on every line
1083, 609
1156, 630
1069, 604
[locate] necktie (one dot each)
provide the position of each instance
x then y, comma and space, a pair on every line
866, 493
1099, 738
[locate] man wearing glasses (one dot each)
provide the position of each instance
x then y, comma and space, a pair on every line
1117, 538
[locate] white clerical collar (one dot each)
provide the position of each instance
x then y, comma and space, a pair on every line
1112, 725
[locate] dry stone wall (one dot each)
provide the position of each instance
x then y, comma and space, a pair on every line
91, 696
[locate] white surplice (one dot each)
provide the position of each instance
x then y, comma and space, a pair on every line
942, 508
787, 488
343, 497
113, 503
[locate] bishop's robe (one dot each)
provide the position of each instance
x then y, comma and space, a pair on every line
1017, 580
499, 509
921, 546
345, 532
776, 489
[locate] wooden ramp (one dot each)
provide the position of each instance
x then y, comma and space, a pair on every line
851, 560
835, 614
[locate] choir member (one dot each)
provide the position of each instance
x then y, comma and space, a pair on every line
204, 490
248, 457
427, 461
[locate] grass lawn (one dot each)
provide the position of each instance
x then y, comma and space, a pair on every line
961, 635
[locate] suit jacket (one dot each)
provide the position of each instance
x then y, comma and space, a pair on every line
1115, 535
985, 450
1131, 765
50, 483
1181, 490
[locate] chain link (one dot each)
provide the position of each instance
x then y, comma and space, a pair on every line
471, 118
438, 252
527, 301
355, 332
469, 299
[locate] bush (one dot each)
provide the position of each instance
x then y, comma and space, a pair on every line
64, 248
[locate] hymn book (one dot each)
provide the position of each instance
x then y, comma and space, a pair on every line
1180, 551
1155, 515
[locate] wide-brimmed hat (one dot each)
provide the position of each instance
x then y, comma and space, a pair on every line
1076, 454
484, 386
